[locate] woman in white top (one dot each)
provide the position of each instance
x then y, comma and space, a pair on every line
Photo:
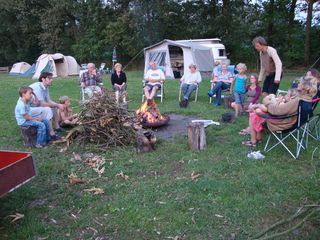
189, 83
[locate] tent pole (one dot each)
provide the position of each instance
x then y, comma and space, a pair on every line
132, 59
314, 63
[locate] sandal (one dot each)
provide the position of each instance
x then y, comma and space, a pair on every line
249, 144
259, 141
244, 132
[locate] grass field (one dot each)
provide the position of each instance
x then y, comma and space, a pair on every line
234, 198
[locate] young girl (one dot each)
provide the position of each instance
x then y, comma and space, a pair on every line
239, 88
66, 116
253, 92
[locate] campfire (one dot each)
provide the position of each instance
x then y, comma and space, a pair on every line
149, 115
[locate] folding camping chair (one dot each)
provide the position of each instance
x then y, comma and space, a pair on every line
298, 132
159, 94
83, 95
231, 69
101, 68
196, 94
313, 129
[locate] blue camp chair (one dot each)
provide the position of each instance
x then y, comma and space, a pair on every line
232, 70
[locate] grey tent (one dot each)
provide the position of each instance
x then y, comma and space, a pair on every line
167, 53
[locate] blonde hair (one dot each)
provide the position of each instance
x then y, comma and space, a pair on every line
63, 99
242, 65
117, 65
193, 65
309, 85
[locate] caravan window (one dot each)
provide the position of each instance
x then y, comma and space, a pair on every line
221, 52
158, 56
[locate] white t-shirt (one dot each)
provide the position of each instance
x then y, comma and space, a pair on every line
189, 77
155, 75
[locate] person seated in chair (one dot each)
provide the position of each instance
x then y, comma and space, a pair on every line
189, 83
307, 88
221, 82
154, 78
118, 81
89, 81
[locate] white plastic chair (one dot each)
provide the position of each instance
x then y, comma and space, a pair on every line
196, 92
159, 94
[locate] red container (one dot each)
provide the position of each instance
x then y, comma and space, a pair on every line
16, 168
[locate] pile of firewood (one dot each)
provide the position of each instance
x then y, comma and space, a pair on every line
105, 123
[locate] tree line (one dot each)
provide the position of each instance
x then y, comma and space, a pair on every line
89, 29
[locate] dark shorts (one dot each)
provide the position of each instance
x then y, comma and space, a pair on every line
269, 86
152, 86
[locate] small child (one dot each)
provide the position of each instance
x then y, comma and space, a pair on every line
239, 87
24, 118
67, 118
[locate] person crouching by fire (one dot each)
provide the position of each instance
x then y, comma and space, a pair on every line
154, 79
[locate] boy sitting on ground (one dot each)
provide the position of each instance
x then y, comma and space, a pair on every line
24, 118
67, 118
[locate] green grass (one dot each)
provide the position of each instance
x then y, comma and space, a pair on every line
159, 200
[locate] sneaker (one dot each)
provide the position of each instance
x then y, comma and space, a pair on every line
39, 146
186, 103
216, 105
55, 137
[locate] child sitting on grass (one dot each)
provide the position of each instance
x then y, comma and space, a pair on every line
239, 88
67, 118
24, 118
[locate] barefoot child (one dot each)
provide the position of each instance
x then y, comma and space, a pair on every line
239, 88
23, 117
67, 118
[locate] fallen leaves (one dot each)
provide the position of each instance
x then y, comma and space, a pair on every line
94, 190
74, 179
195, 176
122, 175
16, 217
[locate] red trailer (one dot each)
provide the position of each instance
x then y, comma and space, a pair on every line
16, 168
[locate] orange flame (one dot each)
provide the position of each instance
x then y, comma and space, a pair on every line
148, 112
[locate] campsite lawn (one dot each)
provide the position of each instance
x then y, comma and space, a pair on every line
234, 198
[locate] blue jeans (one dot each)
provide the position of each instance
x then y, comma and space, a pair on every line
43, 132
217, 89
187, 90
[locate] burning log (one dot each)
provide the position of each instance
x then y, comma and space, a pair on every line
149, 115
197, 136
146, 140
103, 122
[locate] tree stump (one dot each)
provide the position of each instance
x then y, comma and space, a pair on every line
29, 136
197, 136
146, 140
